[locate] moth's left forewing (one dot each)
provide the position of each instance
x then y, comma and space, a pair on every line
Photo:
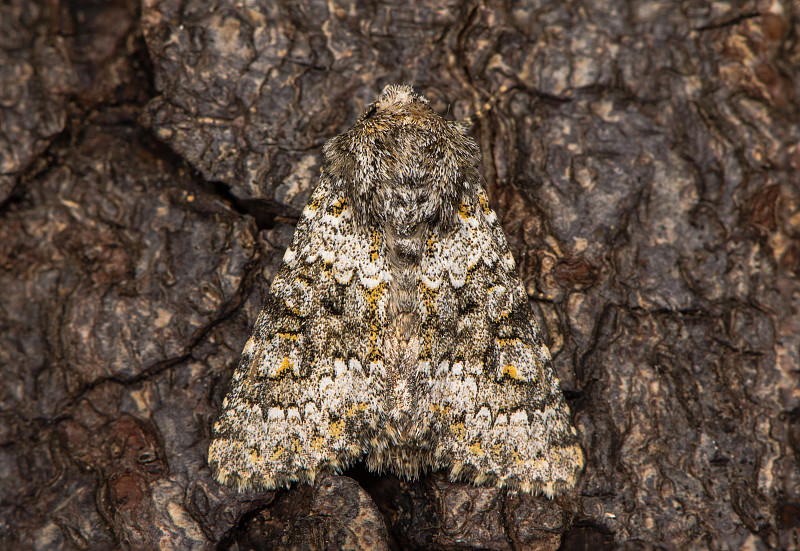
304, 392
493, 400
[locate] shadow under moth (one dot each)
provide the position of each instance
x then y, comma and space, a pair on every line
397, 327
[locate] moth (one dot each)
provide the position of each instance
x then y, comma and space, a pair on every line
397, 329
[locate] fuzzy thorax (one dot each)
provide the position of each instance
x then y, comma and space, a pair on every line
403, 164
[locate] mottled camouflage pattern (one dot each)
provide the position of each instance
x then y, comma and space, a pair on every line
397, 327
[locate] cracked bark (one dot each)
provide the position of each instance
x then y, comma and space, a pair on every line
643, 159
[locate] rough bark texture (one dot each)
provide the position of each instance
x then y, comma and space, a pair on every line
644, 158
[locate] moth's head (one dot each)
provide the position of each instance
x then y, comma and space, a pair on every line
398, 94
398, 101
401, 125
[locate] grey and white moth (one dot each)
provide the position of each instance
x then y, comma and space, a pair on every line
397, 329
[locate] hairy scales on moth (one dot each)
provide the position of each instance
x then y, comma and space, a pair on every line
397, 327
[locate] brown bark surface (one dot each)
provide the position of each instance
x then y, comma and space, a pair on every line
644, 158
